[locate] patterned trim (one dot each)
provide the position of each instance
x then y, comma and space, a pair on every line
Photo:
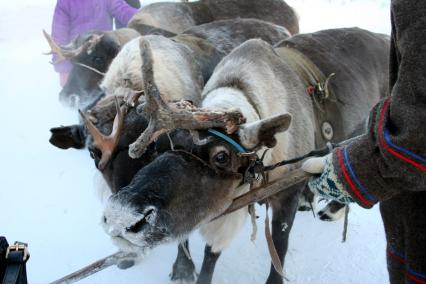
355, 190
409, 273
385, 145
328, 184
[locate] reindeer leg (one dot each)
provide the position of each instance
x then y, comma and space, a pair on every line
209, 263
284, 207
183, 268
333, 211
306, 199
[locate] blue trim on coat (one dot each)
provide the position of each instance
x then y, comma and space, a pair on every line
409, 270
416, 273
355, 178
397, 253
389, 141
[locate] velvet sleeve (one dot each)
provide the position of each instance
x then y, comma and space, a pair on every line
60, 32
391, 157
121, 11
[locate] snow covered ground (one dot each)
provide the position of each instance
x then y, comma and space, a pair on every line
47, 196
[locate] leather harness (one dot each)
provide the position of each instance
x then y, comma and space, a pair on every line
13, 258
317, 87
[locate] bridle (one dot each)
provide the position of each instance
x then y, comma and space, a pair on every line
257, 168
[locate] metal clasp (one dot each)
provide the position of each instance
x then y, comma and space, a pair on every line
18, 246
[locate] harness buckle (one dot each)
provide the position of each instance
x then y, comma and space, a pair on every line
18, 246
256, 169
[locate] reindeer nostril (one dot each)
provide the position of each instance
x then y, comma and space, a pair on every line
137, 227
141, 223
104, 219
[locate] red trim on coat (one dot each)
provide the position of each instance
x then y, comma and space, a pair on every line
407, 274
397, 257
380, 131
414, 278
349, 181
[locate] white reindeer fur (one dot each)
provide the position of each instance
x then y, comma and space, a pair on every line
103, 191
173, 72
118, 217
219, 233
267, 96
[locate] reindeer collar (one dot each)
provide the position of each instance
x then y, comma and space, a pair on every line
229, 140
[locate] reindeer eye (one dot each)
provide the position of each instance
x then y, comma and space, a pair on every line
98, 62
221, 158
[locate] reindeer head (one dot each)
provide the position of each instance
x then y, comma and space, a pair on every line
196, 175
110, 126
90, 55
110, 151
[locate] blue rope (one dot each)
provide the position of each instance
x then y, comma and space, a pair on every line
228, 139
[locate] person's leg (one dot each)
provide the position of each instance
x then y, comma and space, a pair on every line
415, 238
394, 229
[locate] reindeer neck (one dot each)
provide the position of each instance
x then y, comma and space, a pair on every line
175, 72
205, 55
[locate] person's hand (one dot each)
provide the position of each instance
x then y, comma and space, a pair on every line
326, 184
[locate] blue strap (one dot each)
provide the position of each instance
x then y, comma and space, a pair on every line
228, 139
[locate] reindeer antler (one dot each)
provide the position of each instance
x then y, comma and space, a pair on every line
106, 144
54, 48
70, 51
165, 117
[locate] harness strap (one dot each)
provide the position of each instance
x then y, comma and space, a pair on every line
314, 153
91, 68
16, 272
16, 258
303, 66
345, 224
317, 87
228, 139
252, 212
276, 262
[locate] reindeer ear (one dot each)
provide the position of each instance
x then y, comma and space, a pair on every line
65, 137
262, 132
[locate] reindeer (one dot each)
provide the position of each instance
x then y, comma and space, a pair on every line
284, 96
92, 52
90, 55
182, 65
178, 17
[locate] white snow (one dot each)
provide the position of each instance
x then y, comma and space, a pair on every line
48, 199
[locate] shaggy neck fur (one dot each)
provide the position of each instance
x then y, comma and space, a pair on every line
247, 79
175, 73
229, 97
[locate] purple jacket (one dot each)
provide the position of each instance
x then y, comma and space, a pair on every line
73, 17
